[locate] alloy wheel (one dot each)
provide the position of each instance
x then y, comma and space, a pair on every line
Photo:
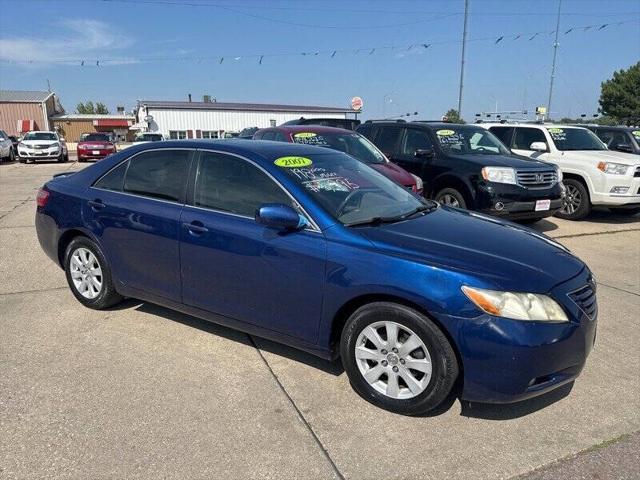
449, 200
393, 360
572, 200
86, 273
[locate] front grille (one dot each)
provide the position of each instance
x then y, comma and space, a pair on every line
537, 179
585, 298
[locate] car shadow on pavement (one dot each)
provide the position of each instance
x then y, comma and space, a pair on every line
331, 367
543, 226
601, 215
510, 411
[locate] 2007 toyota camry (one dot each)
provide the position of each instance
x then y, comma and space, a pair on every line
309, 247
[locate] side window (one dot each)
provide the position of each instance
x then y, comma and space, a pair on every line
612, 138
279, 137
365, 130
524, 137
158, 174
114, 179
388, 138
503, 134
233, 185
415, 139
269, 135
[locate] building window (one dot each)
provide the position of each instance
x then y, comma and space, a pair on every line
209, 134
177, 134
272, 122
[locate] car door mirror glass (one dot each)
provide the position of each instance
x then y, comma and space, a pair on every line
280, 216
538, 147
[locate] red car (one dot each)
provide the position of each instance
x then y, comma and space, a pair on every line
346, 141
95, 146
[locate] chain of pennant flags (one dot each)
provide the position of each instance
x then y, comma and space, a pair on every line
331, 53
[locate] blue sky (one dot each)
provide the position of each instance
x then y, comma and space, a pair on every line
165, 49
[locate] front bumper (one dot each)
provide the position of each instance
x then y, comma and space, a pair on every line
516, 202
44, 154
610, 194
506, 361
94, 154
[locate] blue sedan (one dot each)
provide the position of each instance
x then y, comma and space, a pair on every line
312, 248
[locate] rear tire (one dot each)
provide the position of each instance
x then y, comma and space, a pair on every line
61, 158
577, 203
380, 371
88, 274
451, 198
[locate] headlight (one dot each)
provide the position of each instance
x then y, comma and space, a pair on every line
24, 145
54, 145
419, 184
613, 168
559, 173
81, 147
499, 175
518, 306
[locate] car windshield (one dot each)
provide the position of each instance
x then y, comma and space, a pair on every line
350, 191
149, 137
351, 143
96, 137
457, 140
575, 139
40, 136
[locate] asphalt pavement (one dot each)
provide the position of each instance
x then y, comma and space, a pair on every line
140, 391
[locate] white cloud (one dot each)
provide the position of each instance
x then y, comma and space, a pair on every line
80, 39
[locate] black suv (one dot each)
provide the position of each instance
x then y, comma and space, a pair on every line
622, 139
468, 167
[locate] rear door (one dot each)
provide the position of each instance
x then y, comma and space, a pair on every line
387, 139
135, 211
236, 267
504, 134
412, 140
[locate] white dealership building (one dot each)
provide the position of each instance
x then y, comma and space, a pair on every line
212, 119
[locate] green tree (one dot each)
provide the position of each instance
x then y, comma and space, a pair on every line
88, 108
453, 116
620, 96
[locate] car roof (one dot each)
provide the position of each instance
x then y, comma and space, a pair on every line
524, 124
266, 149
40, 131
309, 128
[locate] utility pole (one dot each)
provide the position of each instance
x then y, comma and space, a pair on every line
464, 45
553, 65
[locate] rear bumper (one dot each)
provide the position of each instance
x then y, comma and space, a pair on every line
507, 361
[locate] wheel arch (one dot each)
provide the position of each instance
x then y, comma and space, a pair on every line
347, 309
66, 238
452, 181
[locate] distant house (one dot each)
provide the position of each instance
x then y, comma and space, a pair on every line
25, 110
72, 125
212, 119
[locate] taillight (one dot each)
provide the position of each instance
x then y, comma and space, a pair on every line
42, 197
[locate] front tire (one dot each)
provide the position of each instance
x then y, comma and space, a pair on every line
577, 204
451, 198
397, 359
88, 275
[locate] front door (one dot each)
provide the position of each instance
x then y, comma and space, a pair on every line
135, 210
236, 267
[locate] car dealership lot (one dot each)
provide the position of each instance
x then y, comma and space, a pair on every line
144, 392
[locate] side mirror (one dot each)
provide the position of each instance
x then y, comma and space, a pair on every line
424, 153
624, 147
538, 147
280, 216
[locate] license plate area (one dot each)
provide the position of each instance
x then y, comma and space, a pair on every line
542, 205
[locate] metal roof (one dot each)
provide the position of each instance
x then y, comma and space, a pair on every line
93, 116
24, 96
253, 107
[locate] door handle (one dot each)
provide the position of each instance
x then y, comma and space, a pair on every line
196, 227
96, 204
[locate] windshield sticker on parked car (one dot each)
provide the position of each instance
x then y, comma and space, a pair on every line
309, 138
445, 133
305, 135
334, 184
557, 134
293, 162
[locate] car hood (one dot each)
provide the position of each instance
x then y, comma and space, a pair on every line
34, 143
394, 172
602, 156
506, 255
513, 161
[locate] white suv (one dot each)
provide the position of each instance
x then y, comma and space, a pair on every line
593, 175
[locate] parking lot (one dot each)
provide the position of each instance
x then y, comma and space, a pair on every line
142, 391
